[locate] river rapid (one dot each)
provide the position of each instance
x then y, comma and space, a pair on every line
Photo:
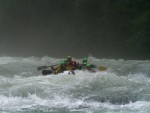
123, 88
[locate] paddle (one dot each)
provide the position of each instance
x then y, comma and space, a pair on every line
102, 68
47, 72
44, 67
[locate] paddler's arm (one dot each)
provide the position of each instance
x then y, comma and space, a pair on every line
93, 66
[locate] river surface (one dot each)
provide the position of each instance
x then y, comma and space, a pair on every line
123, 88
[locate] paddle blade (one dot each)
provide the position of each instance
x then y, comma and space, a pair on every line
102, 68
42, 67
47, 72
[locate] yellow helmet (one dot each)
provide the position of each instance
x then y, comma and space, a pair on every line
69, 58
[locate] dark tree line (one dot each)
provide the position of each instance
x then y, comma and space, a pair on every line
119, 26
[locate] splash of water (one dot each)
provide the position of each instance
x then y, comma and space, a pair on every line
124, 87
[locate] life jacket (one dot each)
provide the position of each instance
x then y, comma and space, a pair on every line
71, 65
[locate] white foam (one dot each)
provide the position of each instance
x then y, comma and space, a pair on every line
27, 88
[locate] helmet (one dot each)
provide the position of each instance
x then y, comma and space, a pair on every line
62, 62
84, 60
65, 60
88, 65
69, 58
84, 63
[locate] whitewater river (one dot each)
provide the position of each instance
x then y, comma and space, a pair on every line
123, 88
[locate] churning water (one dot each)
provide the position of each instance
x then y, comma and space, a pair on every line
123, 88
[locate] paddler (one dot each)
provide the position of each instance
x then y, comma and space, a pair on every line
72, 65
60, 68
87, 66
